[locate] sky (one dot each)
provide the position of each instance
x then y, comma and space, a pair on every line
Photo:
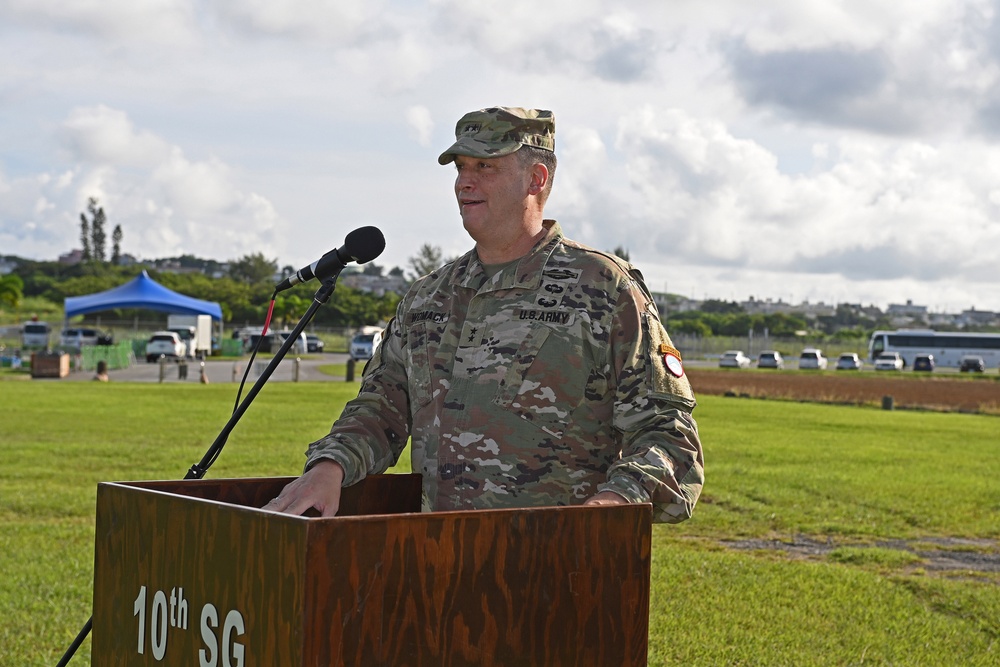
805, 150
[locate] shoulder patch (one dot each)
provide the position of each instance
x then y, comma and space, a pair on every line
672, 359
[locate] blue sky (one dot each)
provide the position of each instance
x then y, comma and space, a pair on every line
805, 150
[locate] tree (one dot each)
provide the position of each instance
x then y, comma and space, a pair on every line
622, 252
85, 238
253, 268
426, 260
97, 234
116, 247
11, 290
372, 269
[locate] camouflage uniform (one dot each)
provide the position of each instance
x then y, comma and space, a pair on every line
541, 386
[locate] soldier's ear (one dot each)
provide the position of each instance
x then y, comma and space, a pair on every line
539, 174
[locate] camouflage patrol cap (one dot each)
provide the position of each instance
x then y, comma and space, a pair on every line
500, 131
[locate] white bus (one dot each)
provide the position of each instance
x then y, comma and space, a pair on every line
948, 347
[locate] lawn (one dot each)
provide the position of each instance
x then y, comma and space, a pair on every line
817, 540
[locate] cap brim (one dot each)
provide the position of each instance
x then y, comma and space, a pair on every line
469, 147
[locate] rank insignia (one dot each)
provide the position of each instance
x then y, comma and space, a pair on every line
672, 360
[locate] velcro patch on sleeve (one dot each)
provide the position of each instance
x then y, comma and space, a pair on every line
666, 370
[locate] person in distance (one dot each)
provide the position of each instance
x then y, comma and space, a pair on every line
531, 371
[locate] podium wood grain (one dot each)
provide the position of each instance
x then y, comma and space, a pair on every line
380, 585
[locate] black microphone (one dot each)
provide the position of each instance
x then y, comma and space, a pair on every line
362, 245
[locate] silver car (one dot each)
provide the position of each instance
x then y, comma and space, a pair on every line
734, 359
770, 359
849, 361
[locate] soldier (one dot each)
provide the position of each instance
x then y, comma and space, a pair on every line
530, 371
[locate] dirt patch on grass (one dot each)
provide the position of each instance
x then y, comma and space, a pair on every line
945, 555
981, 395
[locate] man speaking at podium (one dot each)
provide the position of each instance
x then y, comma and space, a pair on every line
531, 371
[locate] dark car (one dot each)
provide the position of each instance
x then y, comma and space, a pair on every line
923, 362
268, 342
972, 364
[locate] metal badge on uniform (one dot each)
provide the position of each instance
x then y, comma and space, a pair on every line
672, 359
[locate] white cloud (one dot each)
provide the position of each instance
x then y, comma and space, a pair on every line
421, 124
159, 21
880, 210
846, 148
166, 203
102, 135
316, 19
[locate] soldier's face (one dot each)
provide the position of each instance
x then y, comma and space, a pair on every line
492, 196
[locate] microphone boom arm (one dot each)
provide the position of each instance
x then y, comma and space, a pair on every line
323, 294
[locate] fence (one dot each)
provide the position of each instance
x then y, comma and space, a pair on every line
117, 356
711, 347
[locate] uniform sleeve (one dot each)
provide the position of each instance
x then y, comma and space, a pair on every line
662, 460
372, 430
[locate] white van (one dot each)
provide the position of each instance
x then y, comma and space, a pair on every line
35, 334
78, 337
300, 346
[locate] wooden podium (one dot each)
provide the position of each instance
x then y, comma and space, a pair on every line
193, 573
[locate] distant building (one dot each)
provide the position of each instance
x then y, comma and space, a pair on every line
907, 315
977, 318
377, 285
941, 320
814, 310
74, 256
175, 267
672, 303
909, 309
754, 306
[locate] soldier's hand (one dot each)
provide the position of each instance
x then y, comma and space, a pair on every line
319, 487
606, 498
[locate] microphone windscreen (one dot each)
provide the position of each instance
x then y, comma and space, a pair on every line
364, 244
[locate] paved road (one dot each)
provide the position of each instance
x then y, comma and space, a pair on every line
227, 371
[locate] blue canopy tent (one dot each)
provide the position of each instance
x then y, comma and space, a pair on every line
141, 292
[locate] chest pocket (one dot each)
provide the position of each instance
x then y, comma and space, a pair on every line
419, 371
542, 385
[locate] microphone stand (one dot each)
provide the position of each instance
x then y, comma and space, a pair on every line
198, 470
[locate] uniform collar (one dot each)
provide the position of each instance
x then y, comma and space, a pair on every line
526, 274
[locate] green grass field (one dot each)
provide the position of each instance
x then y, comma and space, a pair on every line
808, 548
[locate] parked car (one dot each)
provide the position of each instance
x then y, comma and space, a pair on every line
363, 344
165, 344
78, 337
849, 361
923, 362
734, 359
264, 343
970, 363
812, 359
770, 359
301, 346
889, 361
314, 343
